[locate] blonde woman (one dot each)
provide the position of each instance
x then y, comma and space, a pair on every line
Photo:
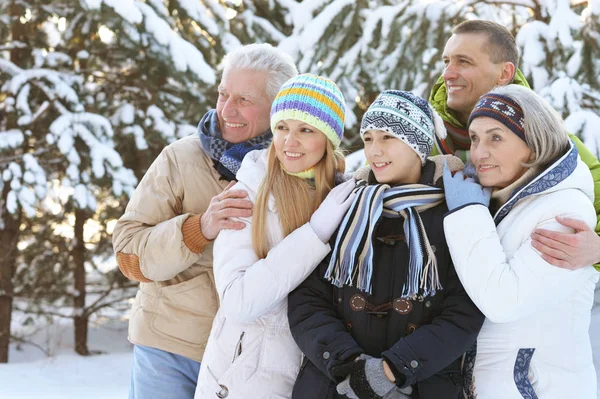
251, 352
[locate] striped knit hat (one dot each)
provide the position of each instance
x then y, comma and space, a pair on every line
314, 100
406, 116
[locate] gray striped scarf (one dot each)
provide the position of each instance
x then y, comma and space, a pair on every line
352, 257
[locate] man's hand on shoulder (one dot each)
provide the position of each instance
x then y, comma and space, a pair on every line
568, 250
223, 207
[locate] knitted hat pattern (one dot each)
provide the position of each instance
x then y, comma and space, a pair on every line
314, 100
503, 109
406, 116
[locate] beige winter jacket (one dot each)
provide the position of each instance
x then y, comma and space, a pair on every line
158, 242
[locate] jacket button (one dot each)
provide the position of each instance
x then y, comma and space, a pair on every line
428, 304
223, 393
326, 355
340, 300
433, 248
414, 364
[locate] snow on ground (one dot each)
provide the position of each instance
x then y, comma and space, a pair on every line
66, 375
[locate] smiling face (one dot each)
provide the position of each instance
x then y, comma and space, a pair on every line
469, 72
497, 153
243, 106
392, 161
298, 145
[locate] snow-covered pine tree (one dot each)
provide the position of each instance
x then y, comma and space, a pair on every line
370, 46
91, 91
560, 49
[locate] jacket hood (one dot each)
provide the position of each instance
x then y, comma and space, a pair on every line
439, 96
567, 172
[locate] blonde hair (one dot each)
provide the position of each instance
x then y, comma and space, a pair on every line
295, 199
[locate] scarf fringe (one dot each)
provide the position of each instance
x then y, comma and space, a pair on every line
423, 275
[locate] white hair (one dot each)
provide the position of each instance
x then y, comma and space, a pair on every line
263, 57
545, 132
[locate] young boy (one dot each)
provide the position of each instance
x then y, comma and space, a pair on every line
385, 316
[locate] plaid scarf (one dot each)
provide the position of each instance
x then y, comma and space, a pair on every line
228, 156
352, 256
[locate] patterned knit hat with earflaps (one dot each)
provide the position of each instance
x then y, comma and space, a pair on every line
314, 100
406, 116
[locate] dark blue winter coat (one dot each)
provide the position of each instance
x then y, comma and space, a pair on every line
422, 340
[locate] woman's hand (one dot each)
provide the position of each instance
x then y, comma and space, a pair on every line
328, 216
461, 190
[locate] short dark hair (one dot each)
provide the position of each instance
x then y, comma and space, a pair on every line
503, 47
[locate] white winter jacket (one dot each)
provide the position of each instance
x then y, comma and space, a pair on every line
250, 351
534, 342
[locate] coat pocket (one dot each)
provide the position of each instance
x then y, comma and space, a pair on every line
185, 311
523, 375
235, 355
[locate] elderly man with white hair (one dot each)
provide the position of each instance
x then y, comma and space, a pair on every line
164, 239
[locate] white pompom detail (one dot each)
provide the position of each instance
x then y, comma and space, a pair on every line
438, 124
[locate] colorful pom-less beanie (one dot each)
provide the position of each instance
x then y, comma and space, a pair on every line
314, 100
406, 116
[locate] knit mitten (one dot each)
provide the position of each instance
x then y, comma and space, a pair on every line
367, 382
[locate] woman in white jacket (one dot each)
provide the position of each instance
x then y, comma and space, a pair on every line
534, 342
251, 352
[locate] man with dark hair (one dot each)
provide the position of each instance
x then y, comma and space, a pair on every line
479, 56
501, 44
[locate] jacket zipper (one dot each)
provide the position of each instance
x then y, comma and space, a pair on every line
238, 347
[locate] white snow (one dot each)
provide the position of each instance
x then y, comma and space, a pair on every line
563, 21
585, 123
66, 375
201, 14
127, 9
60, 87
594, 6
138, 133
52, 33
184, 55
355, 161
11, 202
528, 40
158, 121
11, 138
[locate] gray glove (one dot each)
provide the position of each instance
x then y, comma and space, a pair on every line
368, 381
328, 216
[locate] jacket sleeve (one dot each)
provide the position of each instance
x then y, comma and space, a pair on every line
505, 288
594, 165
319, 333
249, 287
153, 241
432, 347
